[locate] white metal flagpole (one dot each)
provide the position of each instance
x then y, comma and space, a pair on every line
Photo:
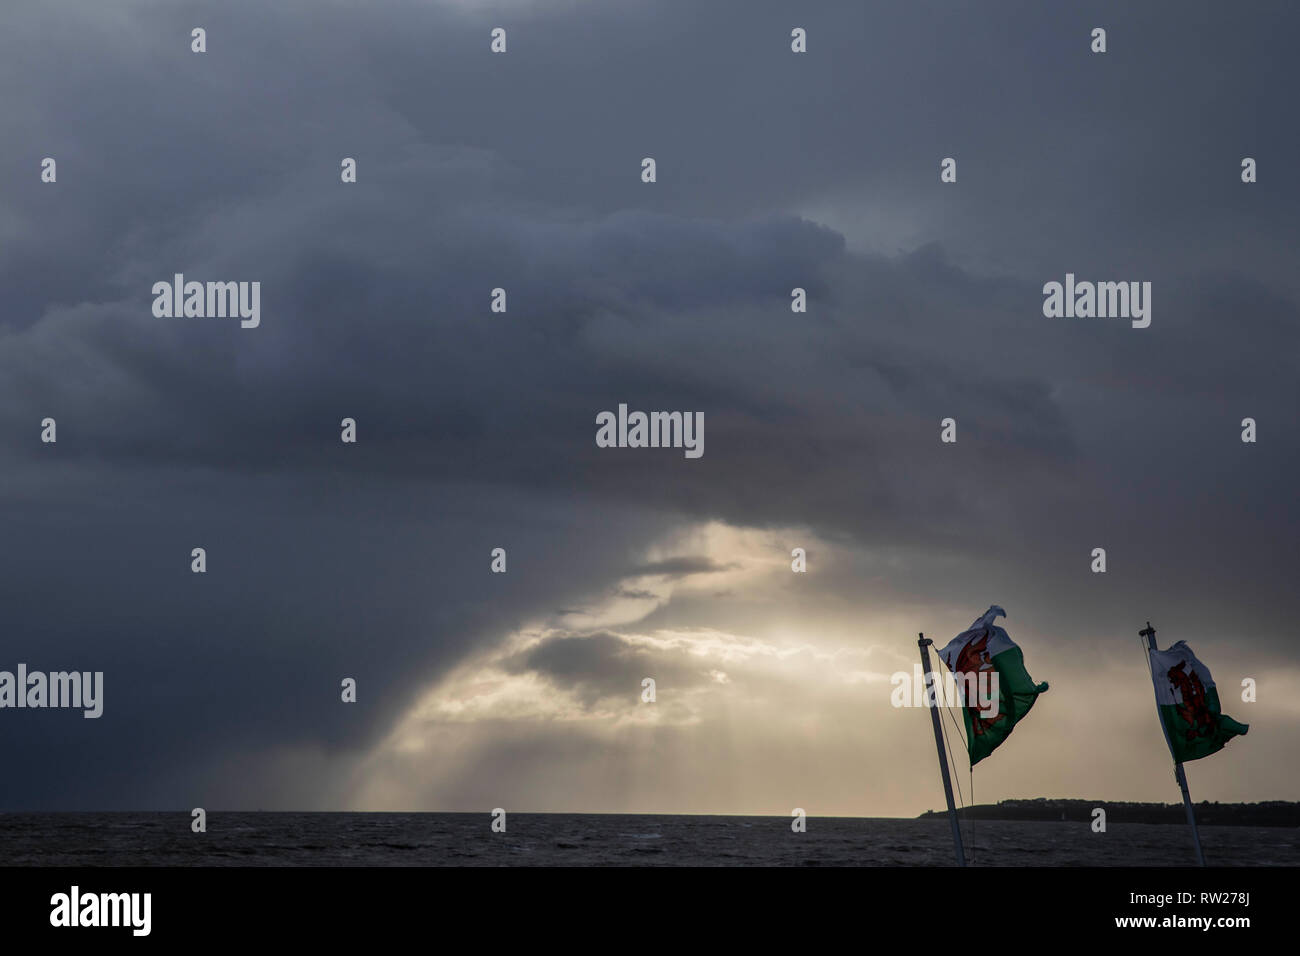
924, 644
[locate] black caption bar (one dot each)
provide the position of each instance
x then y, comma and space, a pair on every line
179, 905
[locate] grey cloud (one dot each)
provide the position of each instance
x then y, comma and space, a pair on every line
680, 567
477, 429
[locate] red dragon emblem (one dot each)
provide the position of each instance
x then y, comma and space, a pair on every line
1194, 709
974, 659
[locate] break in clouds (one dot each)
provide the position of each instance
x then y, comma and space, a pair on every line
372, 301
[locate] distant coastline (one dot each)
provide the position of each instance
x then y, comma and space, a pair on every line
1270, 813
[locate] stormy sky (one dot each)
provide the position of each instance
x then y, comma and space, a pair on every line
476, 429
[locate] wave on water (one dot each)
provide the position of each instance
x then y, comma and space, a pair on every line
533, 839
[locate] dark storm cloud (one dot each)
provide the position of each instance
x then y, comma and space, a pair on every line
592, 666
477, 429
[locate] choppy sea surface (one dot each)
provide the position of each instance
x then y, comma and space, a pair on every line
543, 839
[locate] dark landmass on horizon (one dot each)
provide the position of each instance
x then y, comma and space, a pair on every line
1270, 813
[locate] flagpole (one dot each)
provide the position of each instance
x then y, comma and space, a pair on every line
924, 644
1150, 634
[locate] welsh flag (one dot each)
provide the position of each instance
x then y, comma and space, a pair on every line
1189, 705
986, 648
